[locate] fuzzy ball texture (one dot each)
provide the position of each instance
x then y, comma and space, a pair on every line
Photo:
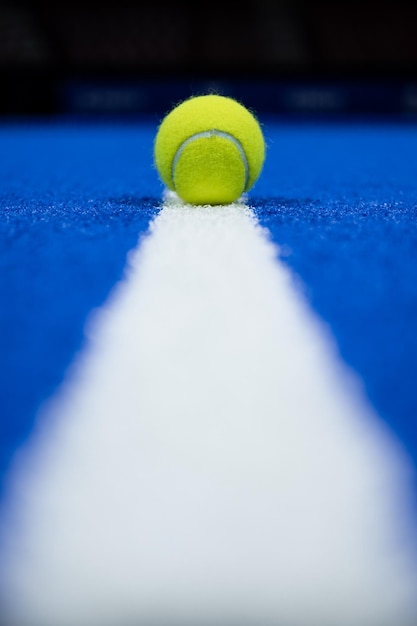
209, 150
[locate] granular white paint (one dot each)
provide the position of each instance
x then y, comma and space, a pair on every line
209, 459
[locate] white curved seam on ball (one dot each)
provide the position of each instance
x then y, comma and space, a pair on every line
206, 134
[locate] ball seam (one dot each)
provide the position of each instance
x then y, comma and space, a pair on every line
207, 134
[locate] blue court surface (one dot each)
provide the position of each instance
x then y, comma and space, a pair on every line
181, 441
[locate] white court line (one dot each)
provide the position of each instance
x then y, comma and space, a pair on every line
209, 460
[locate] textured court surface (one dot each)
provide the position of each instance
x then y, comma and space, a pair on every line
337, 199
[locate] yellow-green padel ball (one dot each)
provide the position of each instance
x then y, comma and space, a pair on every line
209, 150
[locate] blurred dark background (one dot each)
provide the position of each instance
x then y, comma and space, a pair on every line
139, 57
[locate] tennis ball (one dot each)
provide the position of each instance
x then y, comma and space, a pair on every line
209, 150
